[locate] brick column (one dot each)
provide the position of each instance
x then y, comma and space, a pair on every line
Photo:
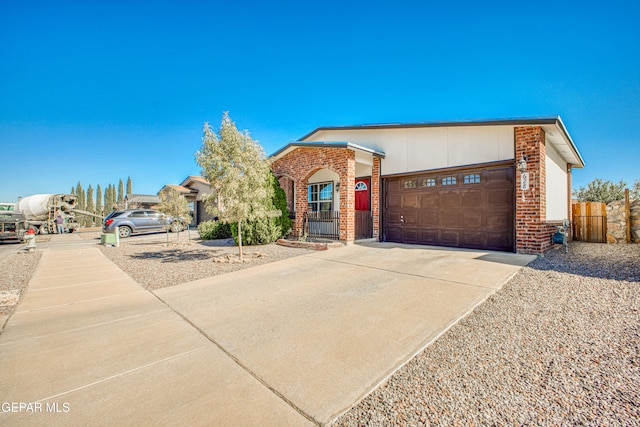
347, 162
375, 197
533, 235
301, 205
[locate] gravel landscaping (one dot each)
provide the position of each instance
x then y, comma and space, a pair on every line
16, 273
154, 264
558, 345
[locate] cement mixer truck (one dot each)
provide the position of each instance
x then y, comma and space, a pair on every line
40, 212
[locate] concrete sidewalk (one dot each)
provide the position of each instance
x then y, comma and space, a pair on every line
88, 345
294, 342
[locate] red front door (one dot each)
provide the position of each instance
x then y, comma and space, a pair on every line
363, 198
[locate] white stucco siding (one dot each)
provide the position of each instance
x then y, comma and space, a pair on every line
419, 149
557, 188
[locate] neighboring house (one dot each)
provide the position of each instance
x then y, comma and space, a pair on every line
454, 184
141, 201
194, 189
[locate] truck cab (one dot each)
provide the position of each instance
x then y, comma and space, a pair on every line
12, 223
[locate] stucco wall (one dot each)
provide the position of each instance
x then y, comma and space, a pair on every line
557, 188
419, 149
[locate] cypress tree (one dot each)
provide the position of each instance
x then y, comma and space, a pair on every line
91, 207
120, 192
129, 186
99, 201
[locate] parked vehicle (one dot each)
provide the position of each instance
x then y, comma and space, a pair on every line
12, 224
40, 211
133, 221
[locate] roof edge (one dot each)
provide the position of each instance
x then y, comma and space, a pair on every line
542, 120
349, 145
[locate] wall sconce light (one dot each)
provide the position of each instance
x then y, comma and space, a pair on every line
522, 164
337, 187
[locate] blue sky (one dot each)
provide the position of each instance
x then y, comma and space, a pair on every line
102, 90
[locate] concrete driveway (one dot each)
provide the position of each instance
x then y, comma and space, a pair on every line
294, 342
323, 330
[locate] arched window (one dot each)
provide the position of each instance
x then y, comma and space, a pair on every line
361, 186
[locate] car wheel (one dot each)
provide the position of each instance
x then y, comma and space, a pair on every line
125, 231
176, 227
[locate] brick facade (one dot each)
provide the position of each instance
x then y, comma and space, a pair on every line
300, 164
533, 232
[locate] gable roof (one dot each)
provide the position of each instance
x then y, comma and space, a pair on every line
192, 178
301, 144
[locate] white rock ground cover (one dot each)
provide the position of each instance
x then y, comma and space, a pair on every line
559, 344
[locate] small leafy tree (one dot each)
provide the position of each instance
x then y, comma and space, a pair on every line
239, 173
601, 190
266, 230
635, 190
174, 204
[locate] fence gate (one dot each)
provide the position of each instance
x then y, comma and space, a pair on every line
590, 222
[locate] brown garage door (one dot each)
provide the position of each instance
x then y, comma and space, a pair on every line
470, 208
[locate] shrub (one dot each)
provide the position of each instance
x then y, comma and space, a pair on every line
280, 203
212, 230
266, 230
259, 232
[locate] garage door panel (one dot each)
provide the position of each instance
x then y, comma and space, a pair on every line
500, 241
451, 218
499, 177
429, 200
449, 199
394, 234
394, 201
472, 198
472, 218
411, 217
472, 239
410, 200
392, 216
449, 238
428, 218
500, 197
499, 220
411, 235
476, 212
428, 236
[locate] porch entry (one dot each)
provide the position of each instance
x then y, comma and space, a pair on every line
364, 220
321, 220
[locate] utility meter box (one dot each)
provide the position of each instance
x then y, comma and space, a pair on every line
108, 239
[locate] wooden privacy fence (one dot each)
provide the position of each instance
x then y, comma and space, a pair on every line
590, 222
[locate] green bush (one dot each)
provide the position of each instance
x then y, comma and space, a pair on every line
259, 232
212, 230
280, 202
266, 230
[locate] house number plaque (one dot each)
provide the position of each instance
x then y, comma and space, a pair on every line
524, 181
